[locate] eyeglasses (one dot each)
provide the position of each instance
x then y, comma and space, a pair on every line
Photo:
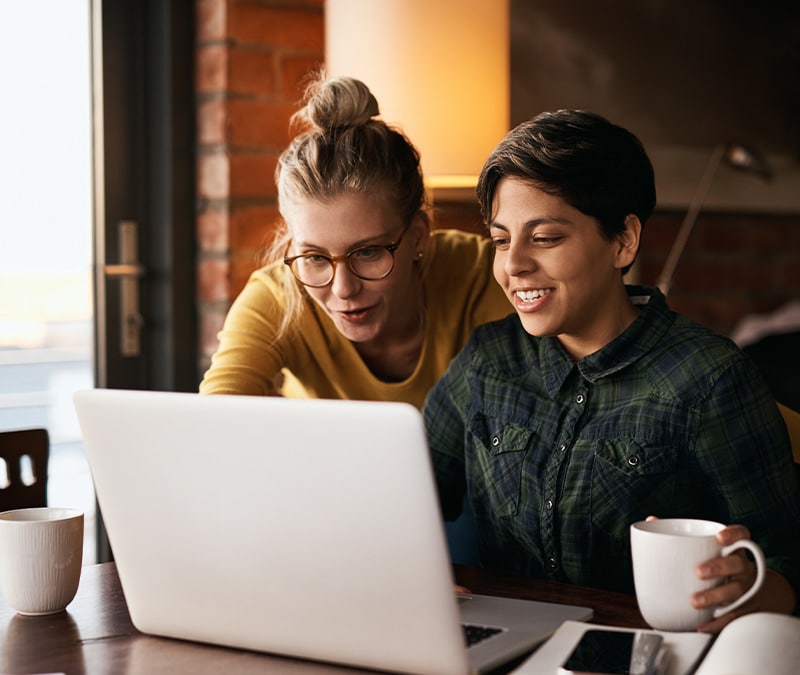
366, 262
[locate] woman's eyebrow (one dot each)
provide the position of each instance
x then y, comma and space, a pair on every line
367, 241
535, 222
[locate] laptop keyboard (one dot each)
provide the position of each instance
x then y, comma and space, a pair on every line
474, 634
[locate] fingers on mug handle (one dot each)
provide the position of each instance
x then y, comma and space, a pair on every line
761, 570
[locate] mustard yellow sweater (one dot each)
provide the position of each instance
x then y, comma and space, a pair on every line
318, 362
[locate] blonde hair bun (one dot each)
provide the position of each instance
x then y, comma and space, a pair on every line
338, 103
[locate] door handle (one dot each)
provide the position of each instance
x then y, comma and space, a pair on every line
128, 271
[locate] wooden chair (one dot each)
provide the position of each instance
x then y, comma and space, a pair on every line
792, 419
19, 491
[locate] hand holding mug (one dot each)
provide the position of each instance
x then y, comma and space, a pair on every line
734, 573
680, 567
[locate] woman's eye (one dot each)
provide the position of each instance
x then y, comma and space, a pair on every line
314, 260
500, 242
539, 239
367, 253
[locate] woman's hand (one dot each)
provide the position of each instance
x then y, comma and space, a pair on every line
738, 574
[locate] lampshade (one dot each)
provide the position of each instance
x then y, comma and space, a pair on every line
439, 70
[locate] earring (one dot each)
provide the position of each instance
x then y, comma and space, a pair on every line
419, 255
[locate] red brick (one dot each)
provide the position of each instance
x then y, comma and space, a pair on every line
295, 72
212, 69
714, 234
213, 280
252, 71
210, 18
212, 230
300, 29
212, 119
213, 176
260, 125
253, 175
252, 227
659, 232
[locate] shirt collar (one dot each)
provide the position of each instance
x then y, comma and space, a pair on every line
638, 339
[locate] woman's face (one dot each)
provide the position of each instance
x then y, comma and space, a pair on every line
362, 310
561, 275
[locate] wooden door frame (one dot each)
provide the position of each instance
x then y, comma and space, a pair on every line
144, 121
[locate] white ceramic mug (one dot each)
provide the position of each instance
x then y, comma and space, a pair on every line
666, 553
41, 553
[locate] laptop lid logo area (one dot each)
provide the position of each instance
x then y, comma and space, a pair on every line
309, 528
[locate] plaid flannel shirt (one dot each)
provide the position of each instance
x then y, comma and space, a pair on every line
559, 457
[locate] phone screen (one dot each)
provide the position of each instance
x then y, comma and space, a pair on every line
602, 651
616, 652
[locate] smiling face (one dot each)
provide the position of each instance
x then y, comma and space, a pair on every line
561, 275
363, 311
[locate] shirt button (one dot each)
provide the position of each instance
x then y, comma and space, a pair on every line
633, 460
548, 504
580, 398
562, 448
552, 562
495, 441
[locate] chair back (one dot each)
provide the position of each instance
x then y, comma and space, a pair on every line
23, 487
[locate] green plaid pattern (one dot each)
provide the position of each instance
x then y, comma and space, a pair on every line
559, 457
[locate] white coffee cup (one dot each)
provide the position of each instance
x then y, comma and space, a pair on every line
666, 553
41, 553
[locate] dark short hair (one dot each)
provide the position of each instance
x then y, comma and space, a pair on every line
597, 167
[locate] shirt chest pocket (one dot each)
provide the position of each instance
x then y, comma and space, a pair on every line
631, 480
494, 470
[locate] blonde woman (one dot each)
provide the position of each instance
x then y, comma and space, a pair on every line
358, 298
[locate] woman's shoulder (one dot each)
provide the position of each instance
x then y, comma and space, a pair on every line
454, 252
451, 242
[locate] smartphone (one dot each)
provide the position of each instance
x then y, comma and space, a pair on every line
613, 652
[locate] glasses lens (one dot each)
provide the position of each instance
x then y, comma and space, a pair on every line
313, 270
371, 262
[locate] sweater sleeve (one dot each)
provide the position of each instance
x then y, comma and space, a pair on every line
248, 359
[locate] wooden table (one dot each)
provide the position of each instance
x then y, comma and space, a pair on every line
95, 634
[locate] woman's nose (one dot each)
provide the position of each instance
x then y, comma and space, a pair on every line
345, 284
519, 260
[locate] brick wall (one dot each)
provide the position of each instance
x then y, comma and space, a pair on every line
734, 264
252, 56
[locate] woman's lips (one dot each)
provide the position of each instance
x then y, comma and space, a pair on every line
355, 315
532, 298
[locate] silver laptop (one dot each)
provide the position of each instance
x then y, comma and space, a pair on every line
306, 528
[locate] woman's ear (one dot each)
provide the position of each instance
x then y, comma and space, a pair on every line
420, 228
628, 242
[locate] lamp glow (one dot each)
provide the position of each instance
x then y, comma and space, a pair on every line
439, 70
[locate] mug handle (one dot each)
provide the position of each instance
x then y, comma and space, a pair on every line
761, 568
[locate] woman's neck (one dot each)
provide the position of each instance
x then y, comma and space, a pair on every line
393, 357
